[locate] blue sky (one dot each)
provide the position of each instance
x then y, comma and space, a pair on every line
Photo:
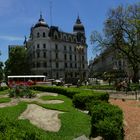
17, 16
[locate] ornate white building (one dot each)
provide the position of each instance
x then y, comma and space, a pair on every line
58, 54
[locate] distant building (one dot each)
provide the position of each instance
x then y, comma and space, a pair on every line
57, 54
108, 61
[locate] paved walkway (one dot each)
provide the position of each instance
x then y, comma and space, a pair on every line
131, 110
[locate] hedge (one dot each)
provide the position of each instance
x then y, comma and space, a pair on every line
69, 92
83, 99
107, 121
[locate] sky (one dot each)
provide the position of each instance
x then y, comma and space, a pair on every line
17, 17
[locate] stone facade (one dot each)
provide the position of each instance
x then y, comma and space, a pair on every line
106, 62
57, 54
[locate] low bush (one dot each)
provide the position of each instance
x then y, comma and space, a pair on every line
83, 99
21, 91
107, 121
3, 88
69, 92
13, 130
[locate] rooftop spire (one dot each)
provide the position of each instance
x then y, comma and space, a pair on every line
41, 17
78, 21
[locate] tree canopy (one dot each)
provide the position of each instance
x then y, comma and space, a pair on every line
17, 63
122, 32
1, 70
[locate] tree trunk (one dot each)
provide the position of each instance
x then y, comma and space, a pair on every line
135, 78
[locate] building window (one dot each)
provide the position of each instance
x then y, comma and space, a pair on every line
56, 55
75, 58
56, 47
66, 65
82, 58
75, 65
38, 54
44, 46
38, 65
44, 54
45, 64
57, 75
33, 65
65, 56
65, 38
65, 48
57, 65
70, 39
38, 35
70, 57
70, 65
70, 48
83, 66
38, 46
56, 37
44, 35
75, 49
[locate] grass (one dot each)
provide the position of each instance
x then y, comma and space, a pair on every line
74, 122
5, 100
66, 106
4, 92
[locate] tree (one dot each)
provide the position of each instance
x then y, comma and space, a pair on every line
17, 63
122, 33
1, 70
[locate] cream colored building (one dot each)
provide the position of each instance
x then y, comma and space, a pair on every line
58, 54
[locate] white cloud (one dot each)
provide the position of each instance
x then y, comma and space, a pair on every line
11, 38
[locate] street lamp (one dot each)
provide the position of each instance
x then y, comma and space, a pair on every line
80, 49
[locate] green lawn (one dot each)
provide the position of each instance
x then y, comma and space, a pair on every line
74, 122
5, 100
4, 92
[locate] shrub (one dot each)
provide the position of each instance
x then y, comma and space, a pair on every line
21, 91
3, 88
13, 130
83, 100
69, 92
107, 121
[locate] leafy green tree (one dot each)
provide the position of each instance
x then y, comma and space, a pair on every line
122, 33
17, 63
1, 70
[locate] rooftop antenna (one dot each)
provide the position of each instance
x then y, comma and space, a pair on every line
51, 13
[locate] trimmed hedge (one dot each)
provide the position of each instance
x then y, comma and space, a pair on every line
100, 87
107, 121
82, 100
69, 92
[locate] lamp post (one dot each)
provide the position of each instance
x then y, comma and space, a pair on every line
80, 49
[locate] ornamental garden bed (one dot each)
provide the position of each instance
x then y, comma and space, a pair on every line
73, 122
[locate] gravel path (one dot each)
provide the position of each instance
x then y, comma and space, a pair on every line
131, 109
15, 101
45, 119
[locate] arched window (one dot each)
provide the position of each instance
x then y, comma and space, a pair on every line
65, 37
